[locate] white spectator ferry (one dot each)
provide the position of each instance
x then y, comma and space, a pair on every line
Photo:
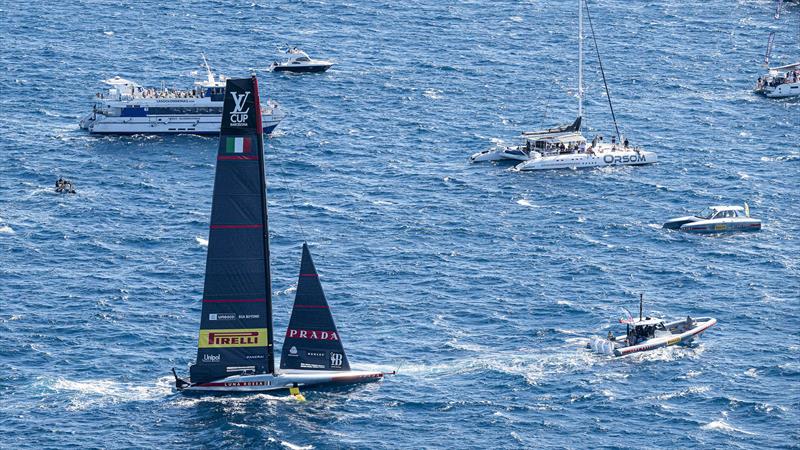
129, 108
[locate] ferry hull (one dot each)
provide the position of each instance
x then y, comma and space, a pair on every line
284, 380
130, 126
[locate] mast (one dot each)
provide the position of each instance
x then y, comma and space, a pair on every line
641, 300
580, 58
236, 336
267, 274
209, 73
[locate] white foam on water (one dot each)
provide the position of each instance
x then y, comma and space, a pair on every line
201, 241
693, 390
525, 202
725, 427
291, 446
751, 372
434, 94
5, 229
108, 33
87, 394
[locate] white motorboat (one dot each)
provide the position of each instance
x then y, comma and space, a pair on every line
780, 82
717, 219
129, 108
300, 62
649, 333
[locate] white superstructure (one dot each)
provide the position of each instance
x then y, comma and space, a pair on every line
129, 108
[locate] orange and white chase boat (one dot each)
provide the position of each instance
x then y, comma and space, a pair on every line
235, 348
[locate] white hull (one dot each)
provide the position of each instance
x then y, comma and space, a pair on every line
285, 380
500, 154
677, 334
618, 157
192, 124
782, 90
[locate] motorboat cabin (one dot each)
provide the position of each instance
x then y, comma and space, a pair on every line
716, 219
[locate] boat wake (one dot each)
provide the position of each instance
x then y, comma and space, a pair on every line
89, 394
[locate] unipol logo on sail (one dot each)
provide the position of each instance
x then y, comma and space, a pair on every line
239, 114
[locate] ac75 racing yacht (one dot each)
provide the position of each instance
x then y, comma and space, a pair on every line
129, 108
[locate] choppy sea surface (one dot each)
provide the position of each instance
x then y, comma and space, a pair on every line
480, 284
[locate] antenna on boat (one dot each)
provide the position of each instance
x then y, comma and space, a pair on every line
580, 58
208, 69
641, 301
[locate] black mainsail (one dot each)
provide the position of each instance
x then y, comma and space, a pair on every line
312, 341
236, 323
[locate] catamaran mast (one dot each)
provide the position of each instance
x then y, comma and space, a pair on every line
580, 58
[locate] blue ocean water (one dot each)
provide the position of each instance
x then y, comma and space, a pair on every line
481, 284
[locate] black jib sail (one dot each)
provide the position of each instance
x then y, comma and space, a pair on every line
312, 341
236, 324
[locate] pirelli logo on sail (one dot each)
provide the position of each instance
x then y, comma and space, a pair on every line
249, 337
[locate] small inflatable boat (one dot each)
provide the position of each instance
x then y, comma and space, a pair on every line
650, 333
717, 219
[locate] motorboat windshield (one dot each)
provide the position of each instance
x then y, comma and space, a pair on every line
706, 213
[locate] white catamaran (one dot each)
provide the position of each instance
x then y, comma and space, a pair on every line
566, 147
235, 347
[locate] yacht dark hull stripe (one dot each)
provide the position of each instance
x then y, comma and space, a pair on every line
234, 227
251, 300
237, 157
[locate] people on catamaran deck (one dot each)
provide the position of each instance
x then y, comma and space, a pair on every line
625, 143
611, 336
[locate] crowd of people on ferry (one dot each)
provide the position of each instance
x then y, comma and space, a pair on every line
138, 91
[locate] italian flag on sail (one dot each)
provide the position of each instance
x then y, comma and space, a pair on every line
238, 145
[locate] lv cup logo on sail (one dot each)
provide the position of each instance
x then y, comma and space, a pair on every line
255, 337
239, 117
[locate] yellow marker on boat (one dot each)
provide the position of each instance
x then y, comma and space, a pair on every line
295, 391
